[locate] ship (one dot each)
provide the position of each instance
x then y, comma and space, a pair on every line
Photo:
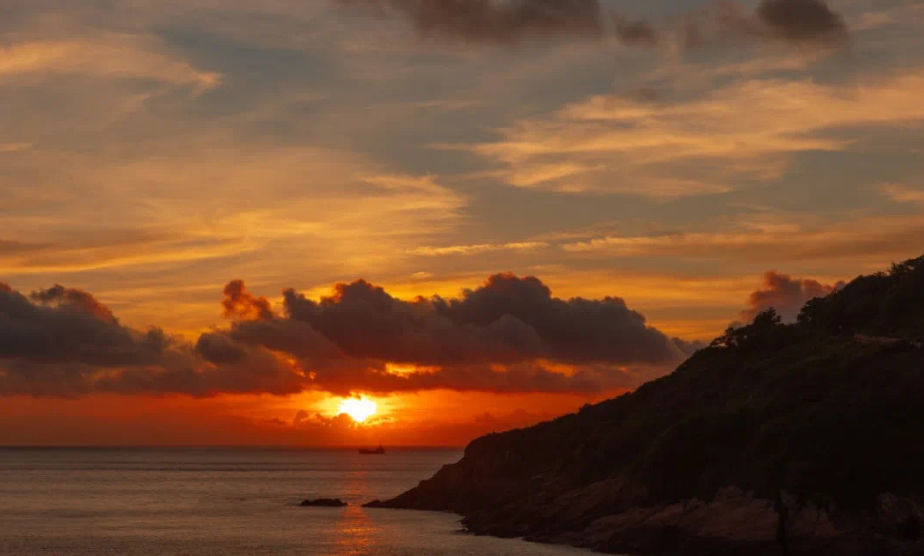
372, 451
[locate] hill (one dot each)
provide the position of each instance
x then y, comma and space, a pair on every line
803, 438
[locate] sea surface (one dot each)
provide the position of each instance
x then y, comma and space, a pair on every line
226, 502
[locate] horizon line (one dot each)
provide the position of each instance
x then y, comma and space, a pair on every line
218, 447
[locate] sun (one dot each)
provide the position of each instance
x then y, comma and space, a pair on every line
359, 409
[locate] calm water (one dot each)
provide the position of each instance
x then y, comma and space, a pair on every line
211, 502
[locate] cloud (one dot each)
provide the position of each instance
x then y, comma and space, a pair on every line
14, 147
65, 325
872, 239
892, 15
64, 342
239, 303
741, 133
689, 347
76, 300
478, 249
351, 377
508, 336
489, 21
514, 419
785, 294
341, 421
109, 56
507, 320
802, 20
796, 22
902, 193
399, 211
635, 32
511, 21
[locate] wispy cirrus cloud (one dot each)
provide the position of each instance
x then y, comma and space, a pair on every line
742, 132
478, 249
112, 56
858, 239
902, 193
14, 147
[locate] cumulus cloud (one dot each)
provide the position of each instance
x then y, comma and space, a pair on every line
785, 294
64, 342
507, 320
508, 336
239, 303
78, 300
61, 325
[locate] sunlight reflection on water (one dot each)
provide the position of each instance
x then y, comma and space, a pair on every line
195, 502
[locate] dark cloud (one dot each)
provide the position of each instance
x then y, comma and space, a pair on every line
178, 373
493, 21
78, 300
508, 320
239, 303
802, 21
689, 348
61, 325
785, 294
515, 419
64, 342
365, 322
17, 247
510, 21
573, 331
341, 421
219, 348
635, 33
508, 336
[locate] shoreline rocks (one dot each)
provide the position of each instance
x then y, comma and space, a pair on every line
324, 503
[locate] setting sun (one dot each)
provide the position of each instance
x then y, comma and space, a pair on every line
359, 409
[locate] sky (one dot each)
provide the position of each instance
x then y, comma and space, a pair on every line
221, 219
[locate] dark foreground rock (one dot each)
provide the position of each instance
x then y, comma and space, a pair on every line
324, 503
801, 439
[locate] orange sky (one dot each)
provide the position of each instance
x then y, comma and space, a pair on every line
540, 216
428, 419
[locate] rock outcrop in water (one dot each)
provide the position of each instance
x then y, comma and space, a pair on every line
801, 439
324, 503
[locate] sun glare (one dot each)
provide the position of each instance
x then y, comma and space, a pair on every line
359, 409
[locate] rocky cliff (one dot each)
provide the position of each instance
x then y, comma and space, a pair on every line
803, 438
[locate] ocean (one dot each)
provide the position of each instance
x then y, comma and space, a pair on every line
226, 502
